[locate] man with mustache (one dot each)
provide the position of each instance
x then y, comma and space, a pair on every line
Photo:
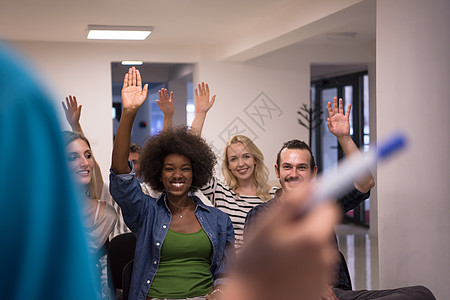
294, 167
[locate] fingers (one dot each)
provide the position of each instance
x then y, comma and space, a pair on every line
330, 109
130, 77
134, 77
335, 106
138, 78
125, 81
203, 90
348, 110
321, 222
145, 90
71, 103
163, 95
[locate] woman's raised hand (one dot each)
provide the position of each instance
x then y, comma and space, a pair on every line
73, 112
133, 95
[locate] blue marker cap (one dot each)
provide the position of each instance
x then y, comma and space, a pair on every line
391, 145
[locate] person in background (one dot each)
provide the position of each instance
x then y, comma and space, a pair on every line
135, 153
100, 217
72, 112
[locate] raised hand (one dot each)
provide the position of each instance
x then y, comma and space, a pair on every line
338, 123
73, 112
133, 95
202, 102
165, 102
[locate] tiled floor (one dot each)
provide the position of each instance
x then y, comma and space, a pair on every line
359, 250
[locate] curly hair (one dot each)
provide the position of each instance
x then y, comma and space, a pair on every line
176, 141
260, 174
69, 137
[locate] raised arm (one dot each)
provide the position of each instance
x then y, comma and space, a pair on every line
73, 114
133, 96
202, 105
165, 104
339, 125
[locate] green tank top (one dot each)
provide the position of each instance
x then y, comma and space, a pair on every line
184, 267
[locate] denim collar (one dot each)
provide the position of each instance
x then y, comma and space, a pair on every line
198, 203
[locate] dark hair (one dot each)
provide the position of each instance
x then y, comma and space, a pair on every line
135, 148
176, 141
296, 144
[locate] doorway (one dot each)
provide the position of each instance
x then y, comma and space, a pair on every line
353, 89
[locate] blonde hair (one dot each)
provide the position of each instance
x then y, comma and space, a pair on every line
260, 173
70, 136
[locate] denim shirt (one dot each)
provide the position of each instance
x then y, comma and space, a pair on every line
149, 219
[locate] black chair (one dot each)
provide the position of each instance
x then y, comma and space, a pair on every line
126, 278
120, 252
343, 266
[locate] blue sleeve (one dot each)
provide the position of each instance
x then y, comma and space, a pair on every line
228, 256
127, 192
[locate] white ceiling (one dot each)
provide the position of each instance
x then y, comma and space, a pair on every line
242, 29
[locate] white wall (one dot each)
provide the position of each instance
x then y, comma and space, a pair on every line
413, 47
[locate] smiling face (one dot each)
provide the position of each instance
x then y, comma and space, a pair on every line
240, 162
294, 168
80, 161
176, 174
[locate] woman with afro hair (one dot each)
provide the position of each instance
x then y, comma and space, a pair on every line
183, 246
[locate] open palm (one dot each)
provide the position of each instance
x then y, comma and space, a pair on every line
165, 102
202, 101
72, 110
338, 122
133, 95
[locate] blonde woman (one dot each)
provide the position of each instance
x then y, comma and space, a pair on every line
245, 184
100, 217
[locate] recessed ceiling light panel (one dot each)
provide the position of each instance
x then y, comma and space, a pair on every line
132, 62
103, 32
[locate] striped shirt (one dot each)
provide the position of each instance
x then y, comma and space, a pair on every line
222, 197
